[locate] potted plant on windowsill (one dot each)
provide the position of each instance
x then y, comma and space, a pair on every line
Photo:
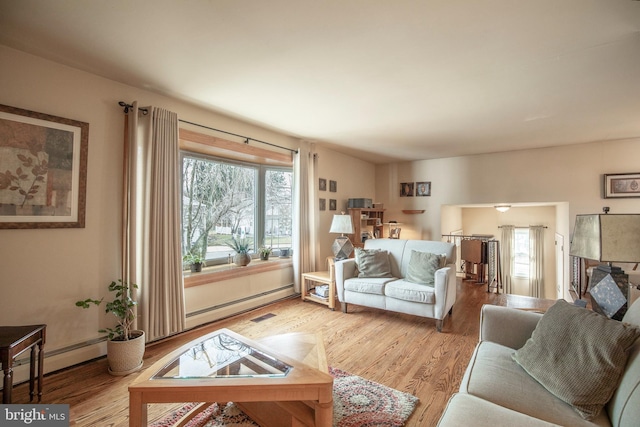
125, 346
195, 261
264, 252
242, 246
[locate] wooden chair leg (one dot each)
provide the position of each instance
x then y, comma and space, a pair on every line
439, 325
343, 305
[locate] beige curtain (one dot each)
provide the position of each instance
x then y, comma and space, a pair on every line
151, 220
536, 261
507, 255
304, 229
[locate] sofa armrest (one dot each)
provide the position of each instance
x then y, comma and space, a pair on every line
344, 269
445, 289
507, 326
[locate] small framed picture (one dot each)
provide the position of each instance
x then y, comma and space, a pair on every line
322, 184
323, 204
332, 204
621, 185
423, 188
333, 186
406, 189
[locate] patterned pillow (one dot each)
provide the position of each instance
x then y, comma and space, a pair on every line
569, 338
373, 263
422, 267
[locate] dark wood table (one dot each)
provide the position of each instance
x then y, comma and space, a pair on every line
13, 341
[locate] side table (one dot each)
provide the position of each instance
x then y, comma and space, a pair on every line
13, 341
326, 277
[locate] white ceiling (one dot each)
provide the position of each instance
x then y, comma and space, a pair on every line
386, 79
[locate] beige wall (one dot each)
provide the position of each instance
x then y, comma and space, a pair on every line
43, 272
568, 177
355, 178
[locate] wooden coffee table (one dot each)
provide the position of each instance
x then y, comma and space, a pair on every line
287, 387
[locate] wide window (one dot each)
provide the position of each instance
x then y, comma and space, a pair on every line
223, 199
521, 253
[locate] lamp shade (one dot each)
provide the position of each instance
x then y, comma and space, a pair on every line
607, 237
341, 224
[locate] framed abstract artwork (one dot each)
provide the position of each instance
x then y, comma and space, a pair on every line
406, 189
423, 188
43, 170
621, 185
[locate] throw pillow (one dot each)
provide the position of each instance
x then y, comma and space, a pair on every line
422, 267
569, 339
373, 263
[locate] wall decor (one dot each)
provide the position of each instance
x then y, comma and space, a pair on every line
406, 189
43, 170
333, 186
322, 184
323, 204
332, 204
619, 185
423, 188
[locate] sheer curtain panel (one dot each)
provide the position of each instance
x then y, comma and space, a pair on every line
151, 220
507, 243
536, 261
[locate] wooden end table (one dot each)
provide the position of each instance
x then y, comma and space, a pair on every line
13, 341
321, 277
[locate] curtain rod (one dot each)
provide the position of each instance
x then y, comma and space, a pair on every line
246, 138
528, 226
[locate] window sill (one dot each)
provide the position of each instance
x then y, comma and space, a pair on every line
218, 273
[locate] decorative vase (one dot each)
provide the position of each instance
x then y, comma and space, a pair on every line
242, 260
125, 357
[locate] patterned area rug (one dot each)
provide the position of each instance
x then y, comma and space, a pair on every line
356, 403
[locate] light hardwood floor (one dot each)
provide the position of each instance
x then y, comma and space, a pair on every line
401, 351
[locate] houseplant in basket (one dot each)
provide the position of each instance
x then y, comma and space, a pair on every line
242, 246
125, 346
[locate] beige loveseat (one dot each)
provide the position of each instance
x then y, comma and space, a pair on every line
497, 391
395, 292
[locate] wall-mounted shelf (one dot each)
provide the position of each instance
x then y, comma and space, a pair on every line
412, 211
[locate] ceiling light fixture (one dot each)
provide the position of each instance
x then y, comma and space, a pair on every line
502, 208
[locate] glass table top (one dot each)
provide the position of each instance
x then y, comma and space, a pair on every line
223, 356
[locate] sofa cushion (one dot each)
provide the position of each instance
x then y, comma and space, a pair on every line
422, 267
408, 291
373, 263
568, 336
467, 410
493, 375
369, 285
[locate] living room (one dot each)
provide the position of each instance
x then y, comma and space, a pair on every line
44, 271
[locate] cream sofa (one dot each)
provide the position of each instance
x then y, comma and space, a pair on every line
497, 391
395, 293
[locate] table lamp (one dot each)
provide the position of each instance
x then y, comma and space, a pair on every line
342, 246
608, 238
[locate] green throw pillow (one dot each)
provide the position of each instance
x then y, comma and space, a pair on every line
422, 267
578, 355
373, 263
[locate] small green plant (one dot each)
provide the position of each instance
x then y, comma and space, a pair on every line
122, 307
241, 245
191, 258
265, 250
